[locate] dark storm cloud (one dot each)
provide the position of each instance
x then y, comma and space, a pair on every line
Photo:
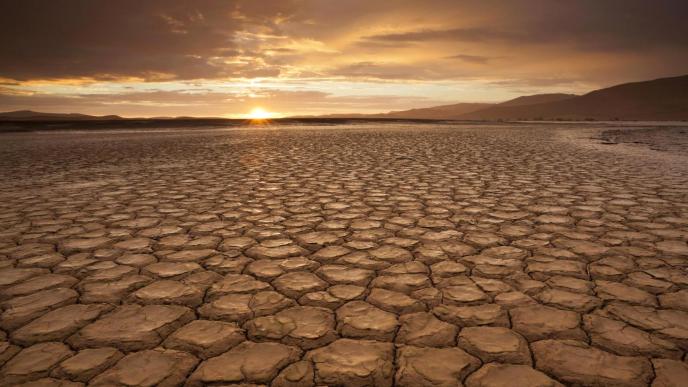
586, 24
127, 38
181, 39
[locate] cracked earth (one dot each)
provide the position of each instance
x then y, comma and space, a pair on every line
400, 255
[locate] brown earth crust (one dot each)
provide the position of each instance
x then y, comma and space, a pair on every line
362, 256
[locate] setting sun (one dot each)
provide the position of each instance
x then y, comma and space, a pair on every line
259, 113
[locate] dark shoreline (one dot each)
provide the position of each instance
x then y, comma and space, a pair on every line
205, 123
662, 139
18, 125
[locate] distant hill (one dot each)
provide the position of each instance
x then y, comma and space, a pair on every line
537, 98
28, 115
664, 99
443, 112
456, 111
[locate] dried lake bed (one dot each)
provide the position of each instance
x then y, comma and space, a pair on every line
369, 254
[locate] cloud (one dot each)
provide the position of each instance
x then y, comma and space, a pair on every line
215, 39
454, 34
206, 103
390, 71
174, 39
582, 25
476, 59
517, 45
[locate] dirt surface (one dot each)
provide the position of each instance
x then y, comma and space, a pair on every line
407, 255
663, 139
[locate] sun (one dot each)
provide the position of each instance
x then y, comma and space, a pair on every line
258, 113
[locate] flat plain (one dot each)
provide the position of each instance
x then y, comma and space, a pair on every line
363, 255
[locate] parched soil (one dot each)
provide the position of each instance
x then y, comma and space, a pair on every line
406, 255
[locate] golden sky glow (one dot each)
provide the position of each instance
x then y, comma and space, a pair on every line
258, 113
224, 58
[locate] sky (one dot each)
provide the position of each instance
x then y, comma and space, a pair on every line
148, 58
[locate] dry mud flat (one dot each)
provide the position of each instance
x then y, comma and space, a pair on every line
407, 256
672, 139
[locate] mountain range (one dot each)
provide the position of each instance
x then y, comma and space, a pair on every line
29, 115
664, 99
660, 99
